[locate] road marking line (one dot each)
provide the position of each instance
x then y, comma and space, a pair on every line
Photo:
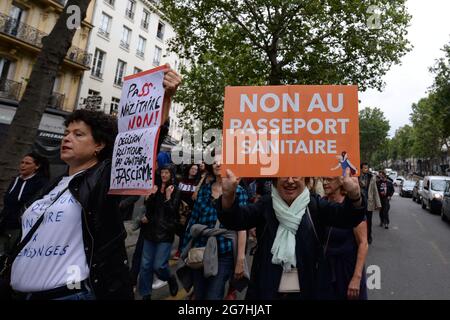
439, 252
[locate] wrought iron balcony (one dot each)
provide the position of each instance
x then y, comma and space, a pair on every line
22, 31
56, 101
140, 53
9, 89
79, 56
144, 24
103, 33
124, 45
97, 73
33, 36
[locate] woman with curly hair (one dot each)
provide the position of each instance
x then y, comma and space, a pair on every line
77, 250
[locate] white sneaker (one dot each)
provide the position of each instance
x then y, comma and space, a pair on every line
158, 284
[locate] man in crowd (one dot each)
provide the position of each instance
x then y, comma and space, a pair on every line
368, 185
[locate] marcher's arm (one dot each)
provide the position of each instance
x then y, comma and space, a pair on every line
360, 233
198, 186
232, 215
170, 83
239, 267
340, 215
348, 214
173, 203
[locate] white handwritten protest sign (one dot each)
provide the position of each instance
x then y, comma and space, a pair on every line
139, 119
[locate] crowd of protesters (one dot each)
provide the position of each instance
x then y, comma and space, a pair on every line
312, 234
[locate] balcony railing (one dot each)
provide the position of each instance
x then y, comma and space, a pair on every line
56, 101
22, 31
97, 73
79, 56
33, 36
140, 53
124, 44
144, 24
103, 33
9, 89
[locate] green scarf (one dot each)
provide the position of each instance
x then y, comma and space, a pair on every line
289, 217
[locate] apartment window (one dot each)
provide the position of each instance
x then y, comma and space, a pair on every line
157, 56
141, 47
120, 72
16, 16
5, 66
110, 2
126, 35
114, 105
145, 19
93, 93
136, 70
56, 84
105, 25
160, 31
99, 61
131, 6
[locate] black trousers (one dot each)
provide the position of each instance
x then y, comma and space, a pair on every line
369, 224
384, 211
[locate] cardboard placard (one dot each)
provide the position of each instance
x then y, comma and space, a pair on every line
295, 130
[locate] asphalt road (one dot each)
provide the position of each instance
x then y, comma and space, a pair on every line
413, 255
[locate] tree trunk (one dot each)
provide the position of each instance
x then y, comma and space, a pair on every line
23, 129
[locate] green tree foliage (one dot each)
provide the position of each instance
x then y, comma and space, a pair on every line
382, 155
254, 42
427, 128
441, 91
402, 143
373, 132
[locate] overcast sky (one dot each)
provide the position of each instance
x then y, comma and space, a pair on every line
408, 82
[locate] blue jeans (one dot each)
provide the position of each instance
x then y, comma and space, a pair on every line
213, 288
155, 259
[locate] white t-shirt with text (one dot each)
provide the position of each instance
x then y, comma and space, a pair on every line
55, 256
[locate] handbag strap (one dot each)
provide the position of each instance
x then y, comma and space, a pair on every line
30, 233
317, 236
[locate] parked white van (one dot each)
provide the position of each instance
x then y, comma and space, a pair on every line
433, 192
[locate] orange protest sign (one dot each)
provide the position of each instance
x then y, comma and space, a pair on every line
294, 130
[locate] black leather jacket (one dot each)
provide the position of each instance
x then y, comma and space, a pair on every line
103, 232
163, 217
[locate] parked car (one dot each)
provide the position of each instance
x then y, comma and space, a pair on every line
391, 174
417, 191
433, 192
406, 188
399, 181
445, 210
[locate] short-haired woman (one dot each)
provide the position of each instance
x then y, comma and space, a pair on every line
33, 176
